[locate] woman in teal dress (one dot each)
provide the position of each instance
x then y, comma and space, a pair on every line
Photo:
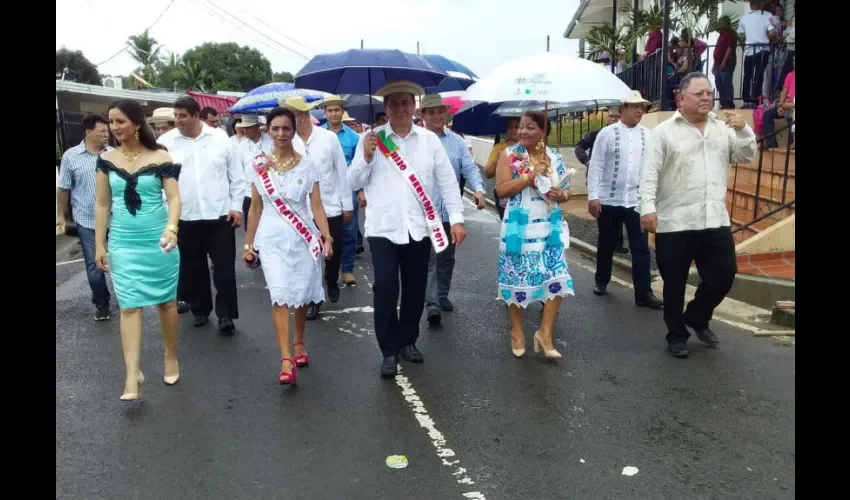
142, 256
534, 236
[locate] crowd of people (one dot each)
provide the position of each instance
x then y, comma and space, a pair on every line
298, 188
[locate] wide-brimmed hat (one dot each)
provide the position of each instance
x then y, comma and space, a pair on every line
432, 101
347, 118
161, 115
332, 99
248, 121
636, 98
399, 86
297, 104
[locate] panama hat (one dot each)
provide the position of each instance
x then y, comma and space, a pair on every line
297, 104
332, 99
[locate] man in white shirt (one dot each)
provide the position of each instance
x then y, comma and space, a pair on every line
404, 171
212, 187
253, 143
613, 177
757, 29
324, 150
683, 201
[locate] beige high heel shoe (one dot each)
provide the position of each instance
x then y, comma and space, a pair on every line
134, 396
538, 347
172, 379
518, 353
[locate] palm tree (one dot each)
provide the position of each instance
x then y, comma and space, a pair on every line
145, 50
195, 77
605, 38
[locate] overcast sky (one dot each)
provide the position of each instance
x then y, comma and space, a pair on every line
478, 33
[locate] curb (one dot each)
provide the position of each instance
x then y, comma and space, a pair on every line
579, 245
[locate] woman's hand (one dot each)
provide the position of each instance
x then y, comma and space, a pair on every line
327, 247
559, 195
168, 240
101, 259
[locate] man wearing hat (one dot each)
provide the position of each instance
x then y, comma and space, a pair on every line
324, 150
162, 120
441, 265
254, 143
335, 113
405, 172
613, 177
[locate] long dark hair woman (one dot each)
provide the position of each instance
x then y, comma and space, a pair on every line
142, 255
532, 259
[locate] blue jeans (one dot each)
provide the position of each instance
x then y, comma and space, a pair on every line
97, 280
349, 238
723, 81
769, 126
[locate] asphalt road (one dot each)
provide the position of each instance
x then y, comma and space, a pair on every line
472, 421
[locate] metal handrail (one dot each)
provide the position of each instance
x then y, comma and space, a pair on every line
765, 216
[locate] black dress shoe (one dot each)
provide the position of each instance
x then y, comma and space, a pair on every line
312, 311
446, 304
225, 325
623, 250
650, 301
678, 349
182, 307
708, 337
412, 354
201, 320
333, 293
389, 367
600, 289
434, 316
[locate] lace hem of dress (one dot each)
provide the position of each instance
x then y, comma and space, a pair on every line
287, 297
557, 287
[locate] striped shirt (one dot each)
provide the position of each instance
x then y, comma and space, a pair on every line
77, 175
462, 163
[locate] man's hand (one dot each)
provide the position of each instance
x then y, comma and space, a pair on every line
235, 218
60, 225
361, 198
370, 144
479, 200
347, 216
458, 234
595, 208
734, 120
649, 222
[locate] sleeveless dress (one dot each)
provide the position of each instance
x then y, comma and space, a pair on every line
532, 259
141, 273
294, 279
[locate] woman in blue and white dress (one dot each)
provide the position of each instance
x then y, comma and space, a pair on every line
534, 236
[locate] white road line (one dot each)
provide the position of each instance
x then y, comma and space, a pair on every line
69, 262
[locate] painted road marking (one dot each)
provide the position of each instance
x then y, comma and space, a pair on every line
69, 262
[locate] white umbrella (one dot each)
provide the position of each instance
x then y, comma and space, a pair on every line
555, 78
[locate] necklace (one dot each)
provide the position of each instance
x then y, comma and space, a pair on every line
283, 165
130, 156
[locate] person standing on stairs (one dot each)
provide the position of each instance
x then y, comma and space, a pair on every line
612, 185
683, 200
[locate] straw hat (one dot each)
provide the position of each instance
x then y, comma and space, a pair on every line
432, 101
332, 99
347, 118
248, 121
297, 104
400, 86
636, 98
161, 115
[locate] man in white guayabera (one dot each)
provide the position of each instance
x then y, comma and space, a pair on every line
404, 169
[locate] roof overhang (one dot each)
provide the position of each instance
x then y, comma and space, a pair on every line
590, 13
115, 94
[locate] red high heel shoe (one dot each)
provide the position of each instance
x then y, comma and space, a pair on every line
287, 378
301, 359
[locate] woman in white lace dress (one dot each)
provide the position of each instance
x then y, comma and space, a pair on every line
285, 202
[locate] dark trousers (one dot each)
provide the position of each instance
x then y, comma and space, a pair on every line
335, 225
440, 268
246, 204
723, 78
397, 328
499, 207
754, 67
216, 238
97, 280
714, 253
610, 223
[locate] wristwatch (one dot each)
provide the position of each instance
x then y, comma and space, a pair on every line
248, 248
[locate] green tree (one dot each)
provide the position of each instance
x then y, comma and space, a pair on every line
193, 76
169, 72
80, 69
145, 49
229, 66
284, 76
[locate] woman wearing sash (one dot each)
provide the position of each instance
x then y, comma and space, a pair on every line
284, 191
142, 256
532, 260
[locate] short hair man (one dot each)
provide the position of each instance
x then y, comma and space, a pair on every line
683, 200
77, 184
210, 116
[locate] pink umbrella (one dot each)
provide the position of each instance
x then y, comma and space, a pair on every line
454, 103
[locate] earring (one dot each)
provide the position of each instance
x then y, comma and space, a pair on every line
137, 135
539, 146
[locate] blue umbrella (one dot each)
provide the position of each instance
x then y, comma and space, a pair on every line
364, 71
265, 97
460, 77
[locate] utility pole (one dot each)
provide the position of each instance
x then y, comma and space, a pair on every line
361, 44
